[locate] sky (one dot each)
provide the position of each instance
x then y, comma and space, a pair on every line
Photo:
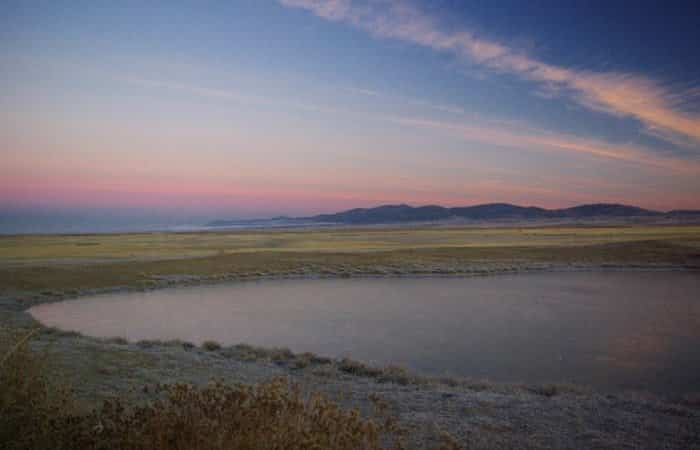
196, 111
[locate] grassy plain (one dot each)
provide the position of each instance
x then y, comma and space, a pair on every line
36, 269
67, 264
155, 246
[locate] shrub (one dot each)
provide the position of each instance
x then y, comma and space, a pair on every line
358, 369
386, 374
221, 417
281, 354
306, 359
185, 345
36, 415
545, 390
53, 331
211, 346
248, 352
396, 374
30, 405
149, 343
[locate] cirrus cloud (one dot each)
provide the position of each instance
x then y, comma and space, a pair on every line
657, 107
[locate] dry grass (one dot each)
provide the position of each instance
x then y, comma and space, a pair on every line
30, 405
158, 246
73, 279
34, 414
266, 416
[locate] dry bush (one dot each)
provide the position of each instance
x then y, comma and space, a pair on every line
221, 417
211, 346
118, 340
36, 415
358, 369
386, 374
30, 405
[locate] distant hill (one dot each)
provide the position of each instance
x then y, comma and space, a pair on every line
684, 213
490, 211
606, 210
387, 214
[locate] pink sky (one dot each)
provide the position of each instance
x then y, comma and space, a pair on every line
243, 121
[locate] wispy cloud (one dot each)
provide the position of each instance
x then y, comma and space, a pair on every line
361, 91
228, 95
657, 107
537, 140
451, 109
506, 134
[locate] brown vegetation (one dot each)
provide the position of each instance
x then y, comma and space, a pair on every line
211, 346
34, 414
29, 404
49, 281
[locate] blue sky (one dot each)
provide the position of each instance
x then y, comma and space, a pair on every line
251, 108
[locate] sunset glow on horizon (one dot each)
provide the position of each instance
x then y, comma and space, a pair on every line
295, 107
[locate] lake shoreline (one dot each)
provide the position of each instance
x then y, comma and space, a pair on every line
407, 393
420, 376
185, 280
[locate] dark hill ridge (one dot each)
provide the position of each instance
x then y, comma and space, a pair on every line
386, 214
606, 210
490, 211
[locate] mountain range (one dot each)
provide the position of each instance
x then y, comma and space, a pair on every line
387, 214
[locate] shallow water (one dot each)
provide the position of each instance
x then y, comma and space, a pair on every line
611, 330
